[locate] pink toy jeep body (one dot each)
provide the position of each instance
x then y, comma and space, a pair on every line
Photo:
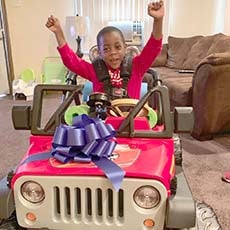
145, 162
53, 195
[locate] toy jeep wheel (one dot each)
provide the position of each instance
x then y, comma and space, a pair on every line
10, 224
177, 149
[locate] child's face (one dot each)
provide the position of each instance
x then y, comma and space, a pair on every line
112, 49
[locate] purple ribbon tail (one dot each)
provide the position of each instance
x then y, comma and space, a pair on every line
113, 172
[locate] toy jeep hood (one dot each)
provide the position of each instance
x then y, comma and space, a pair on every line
138, 157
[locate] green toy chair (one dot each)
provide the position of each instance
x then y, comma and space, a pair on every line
28, 75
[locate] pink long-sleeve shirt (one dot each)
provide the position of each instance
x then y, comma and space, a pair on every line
140, 64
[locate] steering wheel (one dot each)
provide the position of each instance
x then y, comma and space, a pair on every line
122, 107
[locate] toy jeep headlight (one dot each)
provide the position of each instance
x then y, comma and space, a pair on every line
147, 197
32, 192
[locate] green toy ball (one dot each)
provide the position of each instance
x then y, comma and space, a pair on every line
75, 110
152, 117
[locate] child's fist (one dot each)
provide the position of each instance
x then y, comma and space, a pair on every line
156, 9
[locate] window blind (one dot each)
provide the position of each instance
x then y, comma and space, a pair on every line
100, 12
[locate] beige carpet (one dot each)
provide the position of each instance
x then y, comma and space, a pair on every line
203, 162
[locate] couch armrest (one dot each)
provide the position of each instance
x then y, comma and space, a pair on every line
216, 59
211, 97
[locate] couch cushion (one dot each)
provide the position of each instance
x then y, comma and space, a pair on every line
178, 49
221, 44
179, 85
161, 59
199, 51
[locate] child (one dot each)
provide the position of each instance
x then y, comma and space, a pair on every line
112, 47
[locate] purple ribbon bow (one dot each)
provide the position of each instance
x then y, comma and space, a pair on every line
85, 141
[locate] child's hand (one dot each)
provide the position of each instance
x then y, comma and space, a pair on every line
53, 24
156, 9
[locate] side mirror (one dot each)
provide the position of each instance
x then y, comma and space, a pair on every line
21, 116
183, 119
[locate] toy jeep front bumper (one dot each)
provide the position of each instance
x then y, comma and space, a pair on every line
181, 208
81, 203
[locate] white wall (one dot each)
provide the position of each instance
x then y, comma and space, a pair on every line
227, 18
195, 17
31, 41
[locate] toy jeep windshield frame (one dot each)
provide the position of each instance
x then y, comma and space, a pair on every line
27, 117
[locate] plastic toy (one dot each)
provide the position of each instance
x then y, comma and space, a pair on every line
152, 193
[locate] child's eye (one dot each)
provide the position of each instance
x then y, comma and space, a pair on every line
106, 49
118, 47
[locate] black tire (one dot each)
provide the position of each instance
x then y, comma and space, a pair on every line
173, 185
10, 224
177, 150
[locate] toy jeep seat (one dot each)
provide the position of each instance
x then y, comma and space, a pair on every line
88, 89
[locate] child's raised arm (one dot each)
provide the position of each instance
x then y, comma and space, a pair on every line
53, 25
156, 10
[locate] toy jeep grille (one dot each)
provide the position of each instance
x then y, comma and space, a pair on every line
88, 204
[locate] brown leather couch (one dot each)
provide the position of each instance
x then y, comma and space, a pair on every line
207, 89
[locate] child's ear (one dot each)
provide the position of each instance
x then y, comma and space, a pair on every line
99, 51
125, 46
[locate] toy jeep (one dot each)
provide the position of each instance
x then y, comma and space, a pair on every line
47, 193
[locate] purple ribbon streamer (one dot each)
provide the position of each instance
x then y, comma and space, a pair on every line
85, 141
